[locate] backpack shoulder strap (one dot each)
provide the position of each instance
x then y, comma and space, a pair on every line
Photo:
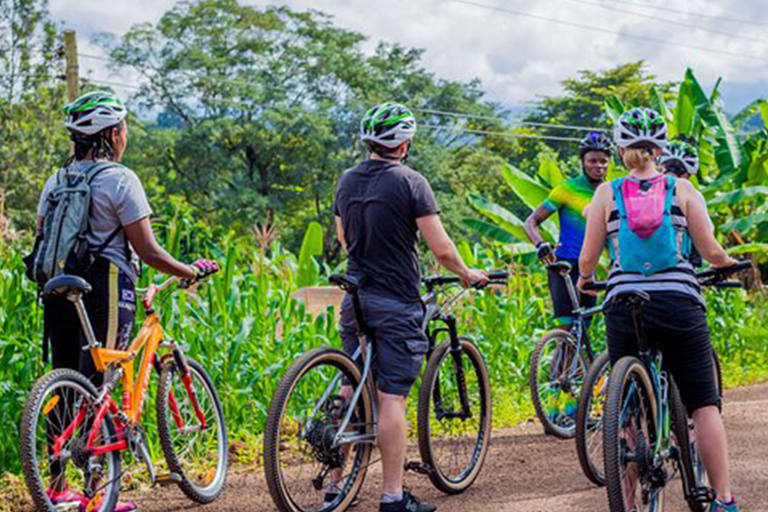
618, 197
98, 168
670, 197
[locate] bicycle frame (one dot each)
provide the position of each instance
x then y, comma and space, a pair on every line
150, 338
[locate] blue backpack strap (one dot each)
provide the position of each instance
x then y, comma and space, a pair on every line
671, 183
618, 196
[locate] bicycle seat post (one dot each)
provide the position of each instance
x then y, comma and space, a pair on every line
77, 299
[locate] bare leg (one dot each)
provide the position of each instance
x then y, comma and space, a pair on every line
393, 438
712, 444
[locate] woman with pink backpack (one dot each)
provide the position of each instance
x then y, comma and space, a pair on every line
650, 222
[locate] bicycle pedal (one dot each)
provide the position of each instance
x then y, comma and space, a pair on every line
169, 479
419, 467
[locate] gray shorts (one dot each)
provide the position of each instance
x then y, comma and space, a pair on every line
401, 343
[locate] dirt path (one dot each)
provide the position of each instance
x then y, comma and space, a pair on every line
529, 472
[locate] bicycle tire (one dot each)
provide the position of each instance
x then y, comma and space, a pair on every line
272, 447
32, 408
440, 479
627, 368
165, 424
549, 426
593, 469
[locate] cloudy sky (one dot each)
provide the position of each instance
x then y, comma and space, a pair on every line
514, 46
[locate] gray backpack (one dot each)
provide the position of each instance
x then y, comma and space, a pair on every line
62, 247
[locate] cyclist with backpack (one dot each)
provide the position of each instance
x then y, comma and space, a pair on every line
569, 200
93, 219
647, 220
381, 207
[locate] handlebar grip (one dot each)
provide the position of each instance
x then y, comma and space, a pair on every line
498, 276
729, 284
598, 286
725, 271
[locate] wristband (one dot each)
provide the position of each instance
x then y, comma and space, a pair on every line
590, 277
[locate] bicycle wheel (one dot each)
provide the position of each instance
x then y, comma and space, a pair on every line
303, 464
556, 375
57, 421
454, 445
630, 439
589, 420
194, 439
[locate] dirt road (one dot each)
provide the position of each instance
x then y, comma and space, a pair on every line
529, 472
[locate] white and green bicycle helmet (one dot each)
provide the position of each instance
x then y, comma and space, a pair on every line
640, 127
681, 153
93, 112
389, 125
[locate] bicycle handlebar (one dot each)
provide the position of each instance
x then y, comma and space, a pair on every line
723, 272
438, 280
158, 287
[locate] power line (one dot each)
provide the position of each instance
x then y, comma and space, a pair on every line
500, 134
670, 22
519, 123
94, 57
690, 13
608, 31
111, 83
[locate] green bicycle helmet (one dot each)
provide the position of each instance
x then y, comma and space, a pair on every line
93, 112
640, 128
680, 153
389, 125
595, 141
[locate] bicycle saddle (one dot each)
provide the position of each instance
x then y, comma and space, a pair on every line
560, 267
64, 285
345, 282
633, 297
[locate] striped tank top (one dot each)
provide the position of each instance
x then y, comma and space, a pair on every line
679, 279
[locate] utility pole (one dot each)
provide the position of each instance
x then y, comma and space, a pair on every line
72, 73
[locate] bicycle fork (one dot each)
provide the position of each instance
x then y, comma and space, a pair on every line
456, 355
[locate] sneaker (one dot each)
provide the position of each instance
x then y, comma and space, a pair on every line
719, 506
94, 505
64, 497
409, 503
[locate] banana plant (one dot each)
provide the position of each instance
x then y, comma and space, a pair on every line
503, 226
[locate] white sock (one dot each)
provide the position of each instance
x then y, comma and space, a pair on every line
391, 497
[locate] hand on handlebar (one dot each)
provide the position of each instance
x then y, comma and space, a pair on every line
203, 269
582, 288
474, 277
545, 253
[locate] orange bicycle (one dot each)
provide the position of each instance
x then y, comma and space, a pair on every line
73, 433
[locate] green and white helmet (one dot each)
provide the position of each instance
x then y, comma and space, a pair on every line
681, 153
389, 124
640, 127
93, 112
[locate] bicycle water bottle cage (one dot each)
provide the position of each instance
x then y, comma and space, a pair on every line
66, 285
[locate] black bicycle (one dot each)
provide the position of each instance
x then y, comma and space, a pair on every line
591, 409
559, 364
319, 437
647, 432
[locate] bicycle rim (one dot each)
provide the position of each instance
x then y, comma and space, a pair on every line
453, 445
557, 376
302, 462
194, 440
630, 440
58, 420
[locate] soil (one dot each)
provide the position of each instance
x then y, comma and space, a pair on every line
527, 471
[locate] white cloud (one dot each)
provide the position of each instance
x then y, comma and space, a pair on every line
517, 58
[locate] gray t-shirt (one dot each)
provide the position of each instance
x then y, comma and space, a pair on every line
117, 199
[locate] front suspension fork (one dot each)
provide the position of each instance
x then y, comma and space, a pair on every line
456, 354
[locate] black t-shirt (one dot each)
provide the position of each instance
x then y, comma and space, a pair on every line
379, 202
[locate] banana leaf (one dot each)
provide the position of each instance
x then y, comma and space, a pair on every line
489, 231
526, 188
614, 108
311, 247
736, 196
745, 223
550, 172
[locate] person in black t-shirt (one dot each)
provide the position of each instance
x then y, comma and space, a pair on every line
381, 206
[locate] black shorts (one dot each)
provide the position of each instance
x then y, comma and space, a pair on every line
561, 300
111, 308
677, 325
400, 340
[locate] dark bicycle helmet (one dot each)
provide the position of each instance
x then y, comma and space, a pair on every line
595, 141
